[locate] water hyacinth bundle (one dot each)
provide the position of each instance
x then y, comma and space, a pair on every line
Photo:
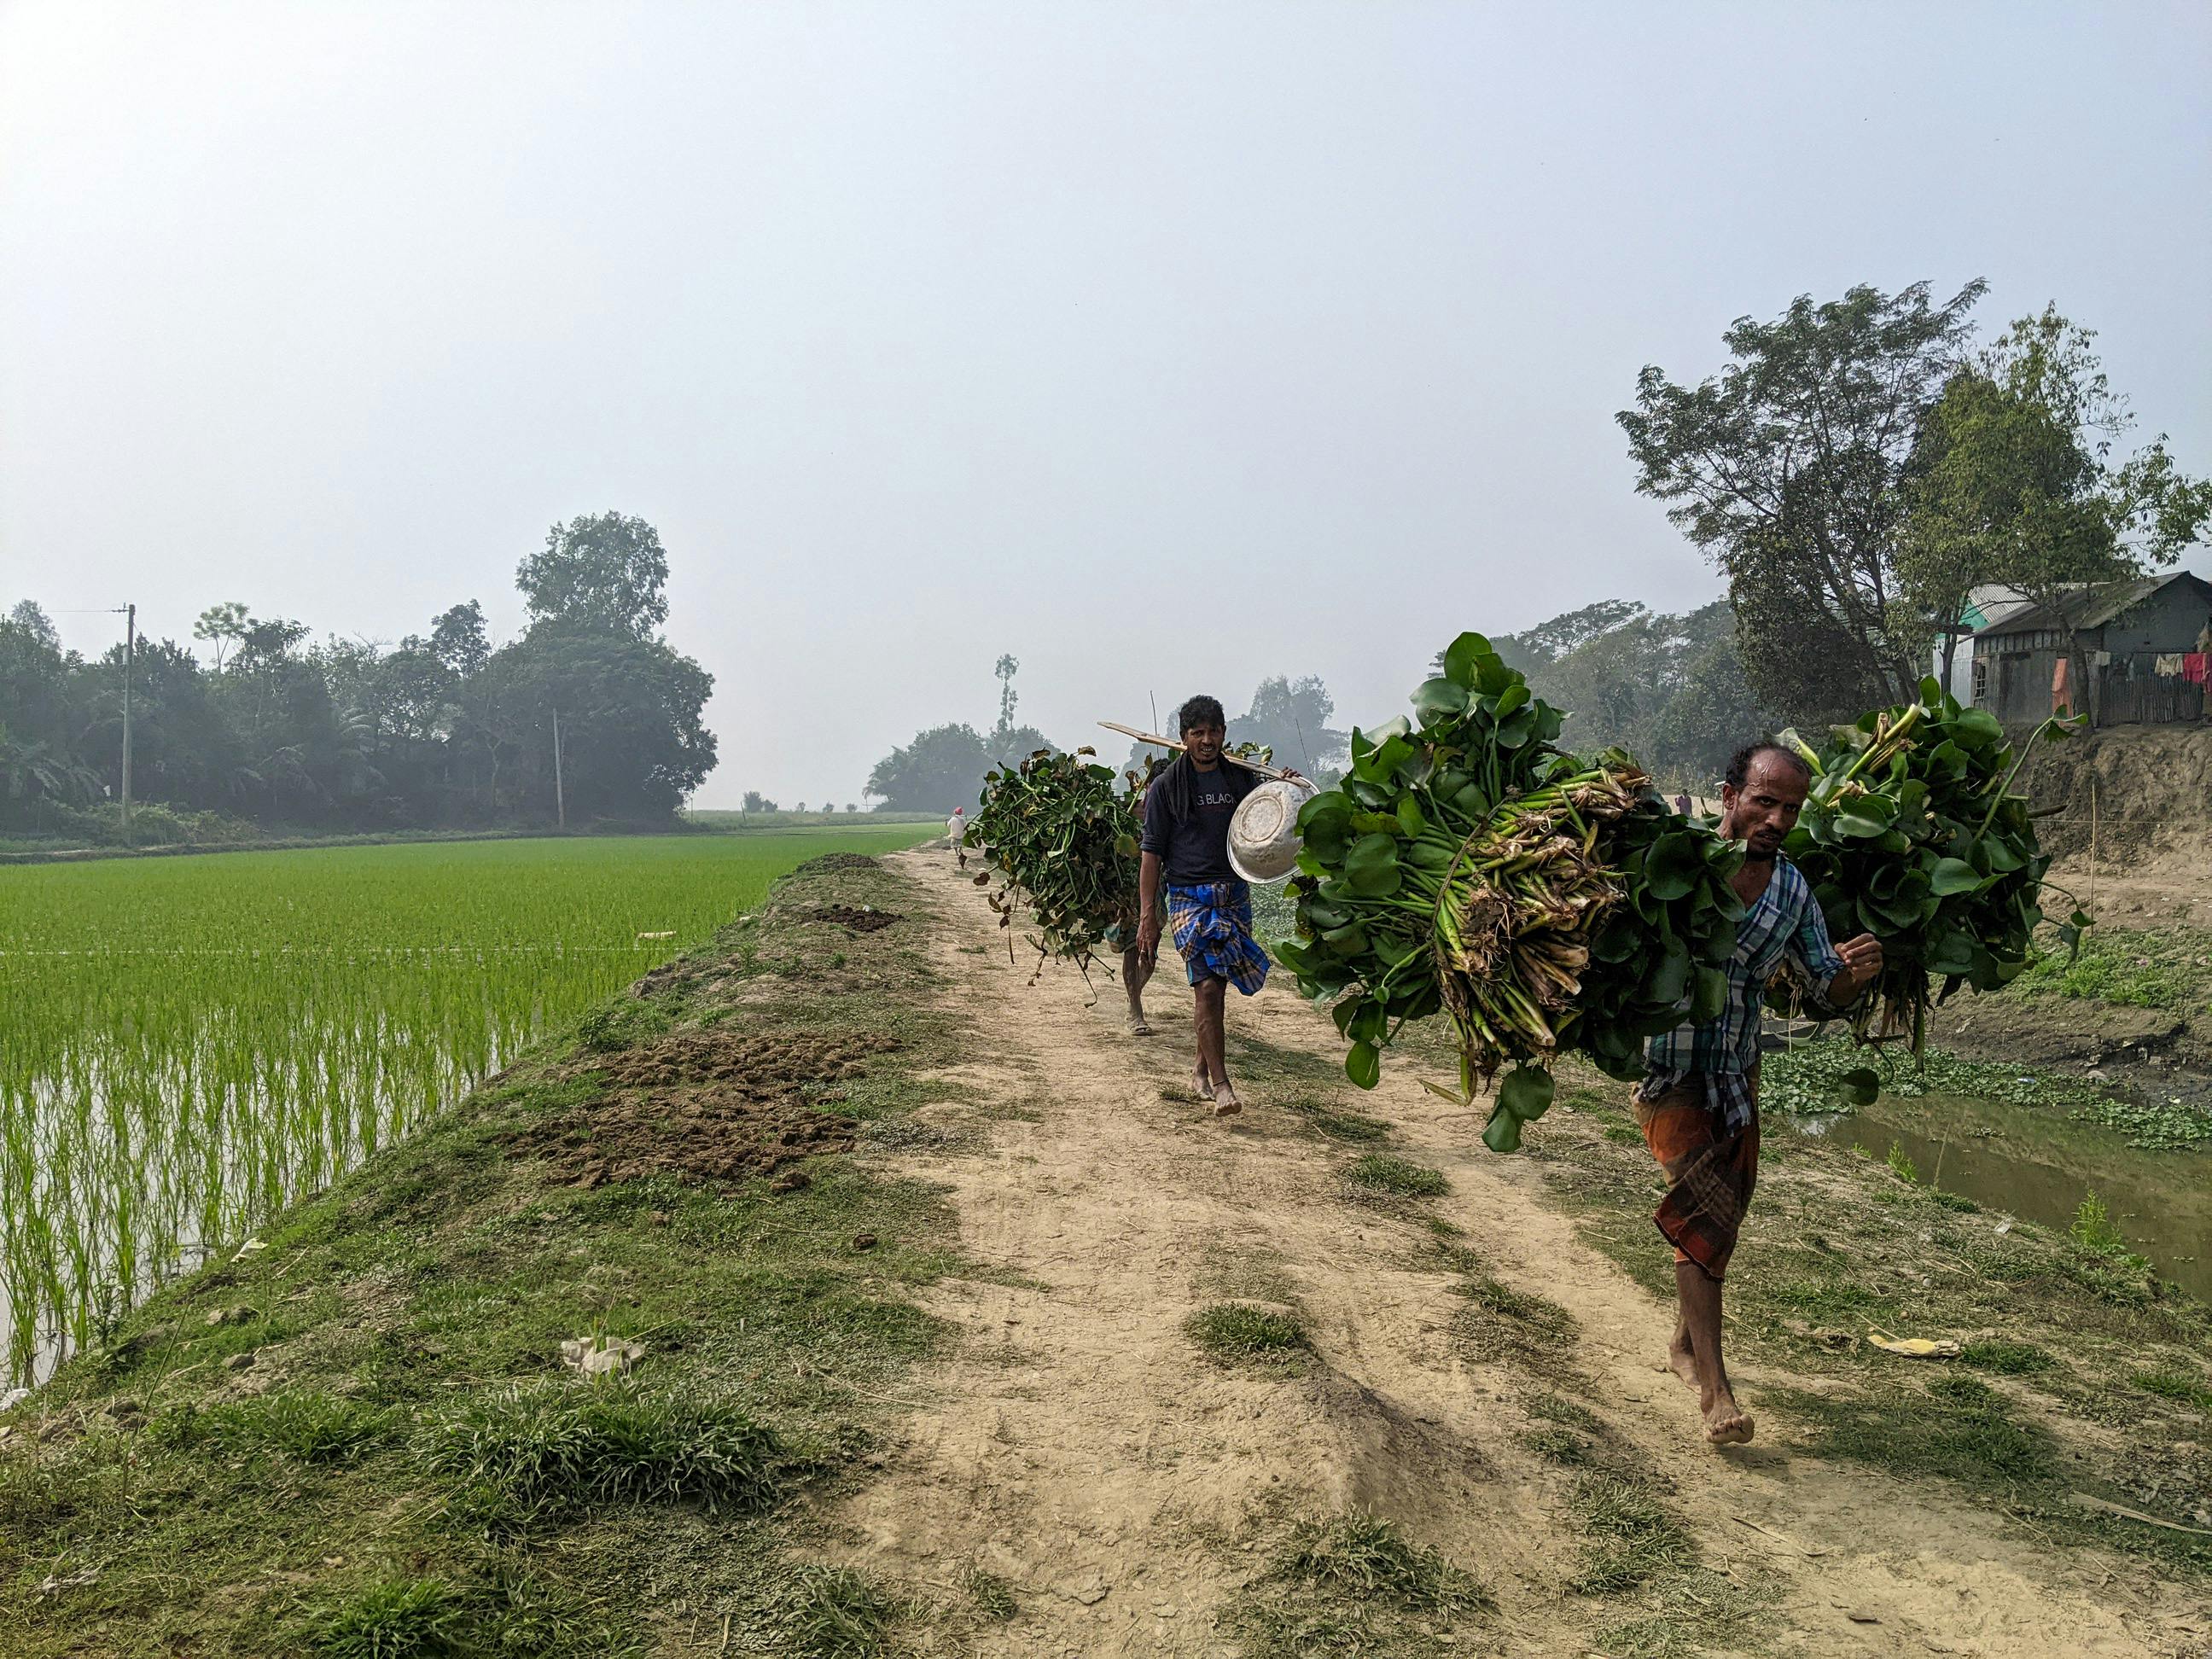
1059, 834
1544, 903
1911, 832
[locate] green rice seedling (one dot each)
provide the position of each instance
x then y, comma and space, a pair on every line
194, 1043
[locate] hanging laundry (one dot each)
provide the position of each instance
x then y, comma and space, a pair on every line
2058, 702
2196, 666
2168, 665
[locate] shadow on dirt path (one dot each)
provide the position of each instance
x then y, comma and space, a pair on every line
1471, 1371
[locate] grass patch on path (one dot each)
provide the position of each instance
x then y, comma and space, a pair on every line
1380, 1172
1350, 1587
1231, 1332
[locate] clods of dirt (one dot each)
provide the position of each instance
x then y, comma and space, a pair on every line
829, 861
698, 1137
704, 1107
755, 1066
677, 976
858, 919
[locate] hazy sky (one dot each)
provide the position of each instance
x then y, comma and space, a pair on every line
1167, 347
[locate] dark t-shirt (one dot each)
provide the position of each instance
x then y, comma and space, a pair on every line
1194, 846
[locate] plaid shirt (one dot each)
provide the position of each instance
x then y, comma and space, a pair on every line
1785, 921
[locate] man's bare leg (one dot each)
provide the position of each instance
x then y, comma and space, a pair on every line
1681, 1357
1212, 996
1135, 977
1726, 1423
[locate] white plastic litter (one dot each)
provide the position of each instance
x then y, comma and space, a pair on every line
600, 1356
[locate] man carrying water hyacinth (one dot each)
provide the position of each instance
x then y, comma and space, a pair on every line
1186, 843
1698, 1102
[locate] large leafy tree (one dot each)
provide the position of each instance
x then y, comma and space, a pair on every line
1291, 717
1788, 469
1671, 689
942, 768
2015, 484
603, 571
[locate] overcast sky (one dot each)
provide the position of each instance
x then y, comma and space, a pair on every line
1167, 347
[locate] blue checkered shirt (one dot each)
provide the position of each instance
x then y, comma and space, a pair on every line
1785, 921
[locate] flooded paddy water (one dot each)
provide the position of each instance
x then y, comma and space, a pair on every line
2038, 1163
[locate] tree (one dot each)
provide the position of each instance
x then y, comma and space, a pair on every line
1004, 670
757, 802
1669, 688
2014, 484
351, 733
942, 768
1548, 641
1291, 717
29, 616
1788, 469
458, 638
221, 626
603, 572
33, 771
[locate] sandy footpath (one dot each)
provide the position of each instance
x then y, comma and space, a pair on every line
1081, 1448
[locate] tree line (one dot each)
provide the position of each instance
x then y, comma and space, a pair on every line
1860, 466
444, 729
944, 766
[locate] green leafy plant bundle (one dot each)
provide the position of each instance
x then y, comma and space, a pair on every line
1059, 833
1911, 832
1466, 865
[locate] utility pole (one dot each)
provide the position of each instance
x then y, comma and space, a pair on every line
560, 800
130, 651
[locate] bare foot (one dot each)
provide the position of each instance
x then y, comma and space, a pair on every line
1201, 1085
1727, 1424
1681, 1361
1226, 1103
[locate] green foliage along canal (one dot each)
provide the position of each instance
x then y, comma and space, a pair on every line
192, 1042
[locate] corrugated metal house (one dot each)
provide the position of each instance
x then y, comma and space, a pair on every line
1984, 606
2140, 640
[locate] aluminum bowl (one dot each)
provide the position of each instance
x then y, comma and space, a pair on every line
1263, 835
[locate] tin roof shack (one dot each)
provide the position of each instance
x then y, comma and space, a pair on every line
2138, 638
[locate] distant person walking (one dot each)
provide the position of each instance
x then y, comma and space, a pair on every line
1698, 1102
1186, 845
956, 831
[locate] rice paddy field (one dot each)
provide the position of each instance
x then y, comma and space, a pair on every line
187, 1044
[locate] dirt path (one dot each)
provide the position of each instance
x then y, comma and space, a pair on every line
1082, 1449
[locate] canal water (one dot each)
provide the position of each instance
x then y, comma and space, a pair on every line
2039, 1164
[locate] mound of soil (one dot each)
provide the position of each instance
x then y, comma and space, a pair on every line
2152, 787
695, 1139
669, 976
829, 861
856, 920
703, 1106
753, 1066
